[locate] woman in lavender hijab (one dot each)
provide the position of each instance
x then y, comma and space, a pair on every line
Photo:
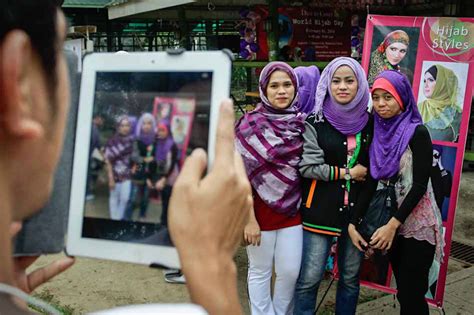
118, 153
144, 168
270, 142
402, 148
308, 78
166, 157
334, 169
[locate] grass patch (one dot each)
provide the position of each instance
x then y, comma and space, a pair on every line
326, 311
49, 298
364, 298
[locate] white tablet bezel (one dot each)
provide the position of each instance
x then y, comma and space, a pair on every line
217, 62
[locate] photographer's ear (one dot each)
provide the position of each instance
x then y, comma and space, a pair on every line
16, 81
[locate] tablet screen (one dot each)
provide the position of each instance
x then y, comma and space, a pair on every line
144, 124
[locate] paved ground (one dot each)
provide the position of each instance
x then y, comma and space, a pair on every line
99, 206
458, 297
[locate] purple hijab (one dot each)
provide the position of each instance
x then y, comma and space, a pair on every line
119, 145
392, 136
308, 78
271, 143
163, 146
118, 152
348, 119
146, 138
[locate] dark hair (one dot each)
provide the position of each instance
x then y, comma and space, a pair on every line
309, 54
433, 70
285, 53
37, 18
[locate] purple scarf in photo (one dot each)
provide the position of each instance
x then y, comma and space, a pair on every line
308, 78
163, 146
145, 138
271, 143
350, 118
118, 152
392, 136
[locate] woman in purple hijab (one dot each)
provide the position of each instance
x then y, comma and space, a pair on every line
144, 168
118, 152
167, 160
402, 148
270, 142
335, 183
308, 78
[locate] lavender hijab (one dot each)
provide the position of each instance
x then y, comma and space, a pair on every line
146, 138
350, 118
308, 78
392, 136
271, 143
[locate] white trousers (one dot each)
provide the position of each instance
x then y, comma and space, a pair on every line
284, 248
118, 199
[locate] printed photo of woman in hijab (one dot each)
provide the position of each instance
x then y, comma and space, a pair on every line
395, 50
164, 113
444, 158
440, 98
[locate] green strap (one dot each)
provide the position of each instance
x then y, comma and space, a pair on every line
354, 157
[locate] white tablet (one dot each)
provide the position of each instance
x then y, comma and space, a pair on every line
140, 115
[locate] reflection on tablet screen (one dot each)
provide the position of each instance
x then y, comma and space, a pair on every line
144, 125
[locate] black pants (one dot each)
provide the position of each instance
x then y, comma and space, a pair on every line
411, 261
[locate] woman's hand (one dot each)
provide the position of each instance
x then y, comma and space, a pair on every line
134, 169
160, 184
252, 233
149, 184
358, 172
110, 174
356, 238
384, 235
111, 183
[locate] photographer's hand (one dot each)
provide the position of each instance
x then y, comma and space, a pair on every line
30, 281
207, 219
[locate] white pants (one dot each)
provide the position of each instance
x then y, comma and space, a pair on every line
118, 199
284, 247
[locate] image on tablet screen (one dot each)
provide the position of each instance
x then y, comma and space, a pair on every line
144, 125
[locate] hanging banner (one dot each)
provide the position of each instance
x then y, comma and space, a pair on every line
307, 33
178, 113
437, 55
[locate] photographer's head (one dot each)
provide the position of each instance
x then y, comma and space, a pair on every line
33, 100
